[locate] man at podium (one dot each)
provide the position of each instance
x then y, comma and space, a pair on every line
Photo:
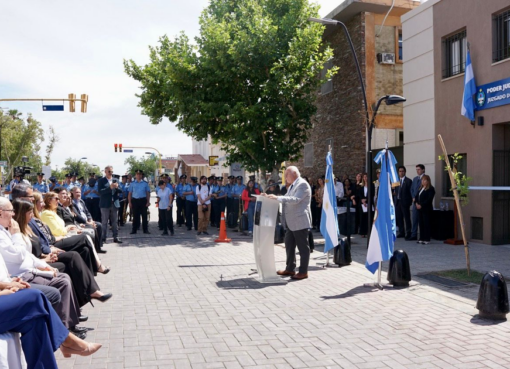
297, 220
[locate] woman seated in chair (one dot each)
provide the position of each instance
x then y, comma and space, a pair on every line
69, 262
61, 232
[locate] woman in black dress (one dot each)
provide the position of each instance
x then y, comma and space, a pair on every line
424, 201
365, 211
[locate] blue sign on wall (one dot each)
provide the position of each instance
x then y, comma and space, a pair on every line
493, 94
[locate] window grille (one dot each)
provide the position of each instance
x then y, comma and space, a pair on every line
454, 54
501, 36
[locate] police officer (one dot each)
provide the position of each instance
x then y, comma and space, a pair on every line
220, 198
257, 185
122, 199
41, 186
181, 200
191, 211
68, 184
91, 193
53, 183
212, 182
229, 187
139, 201
237, 192
15, 180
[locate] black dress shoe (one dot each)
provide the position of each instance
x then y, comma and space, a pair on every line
104, 298
79, 329
101, 251
80, 335
116, 240
133, 232
164, 234
83, 318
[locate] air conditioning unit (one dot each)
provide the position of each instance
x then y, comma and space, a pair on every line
387, 58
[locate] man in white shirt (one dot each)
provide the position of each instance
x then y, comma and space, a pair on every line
204, 205
339, 189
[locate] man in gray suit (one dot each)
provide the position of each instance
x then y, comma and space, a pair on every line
297, 219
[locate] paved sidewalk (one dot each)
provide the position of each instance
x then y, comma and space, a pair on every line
187, 302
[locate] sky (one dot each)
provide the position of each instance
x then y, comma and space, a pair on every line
51, 49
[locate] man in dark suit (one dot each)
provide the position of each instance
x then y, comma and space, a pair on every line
415, 188
403, 201
109, 190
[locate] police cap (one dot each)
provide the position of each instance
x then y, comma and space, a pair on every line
219, 178
194, 179
211, 177
184, 176
92, 174
164, 175
81, 178
139, 171
125, 176
69, 175
239, 177
231, 177
40, 174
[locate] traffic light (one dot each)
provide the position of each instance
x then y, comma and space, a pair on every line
115, 147
72, 103
120, 147
85, 99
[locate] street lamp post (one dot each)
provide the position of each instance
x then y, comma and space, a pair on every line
369, 123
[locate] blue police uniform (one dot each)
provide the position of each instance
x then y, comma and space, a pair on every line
10, 186
92, 200
138, 191
219, 206
181, 204
191, 210
41, 187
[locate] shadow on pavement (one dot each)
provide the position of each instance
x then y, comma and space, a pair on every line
356, 291
246, 284
481, 321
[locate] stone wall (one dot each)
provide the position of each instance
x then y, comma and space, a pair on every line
340, 113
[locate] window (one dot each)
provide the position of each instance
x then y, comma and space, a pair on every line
327, 86
454, 54
461, 167
399, 43
308, 155
501, 36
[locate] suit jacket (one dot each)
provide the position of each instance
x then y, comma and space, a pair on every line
296, 212
426, 198
106, 197
66, 216
79, 218
406, 199
415, 186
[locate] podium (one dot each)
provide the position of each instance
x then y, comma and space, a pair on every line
264, 225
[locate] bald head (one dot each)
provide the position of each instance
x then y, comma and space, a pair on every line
291, 174
3, 202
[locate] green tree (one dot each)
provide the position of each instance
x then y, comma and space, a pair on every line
74, 165
20, 137
249, 80
147, 164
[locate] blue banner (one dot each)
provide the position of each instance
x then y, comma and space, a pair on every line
53, 108
493, 94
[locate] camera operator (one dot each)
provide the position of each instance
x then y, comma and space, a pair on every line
19, 177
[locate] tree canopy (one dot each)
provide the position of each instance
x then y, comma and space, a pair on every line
147, 164
77, 166
249, 80
20, 137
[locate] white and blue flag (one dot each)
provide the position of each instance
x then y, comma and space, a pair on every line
384, 228
468, 103
329, 223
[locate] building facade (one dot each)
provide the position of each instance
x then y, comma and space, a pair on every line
375, 29
210, 151
436, 37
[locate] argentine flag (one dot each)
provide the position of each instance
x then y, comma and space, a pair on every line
384, 229
468, 103
329, 223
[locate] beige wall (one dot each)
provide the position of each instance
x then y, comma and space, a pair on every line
418, 86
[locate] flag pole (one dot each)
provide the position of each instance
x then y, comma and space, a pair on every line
327, 259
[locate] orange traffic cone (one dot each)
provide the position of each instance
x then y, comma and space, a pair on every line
223, 230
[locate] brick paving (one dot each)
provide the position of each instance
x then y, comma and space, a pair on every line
188, 302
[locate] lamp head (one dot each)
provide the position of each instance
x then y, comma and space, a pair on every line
324, 21
394, 99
